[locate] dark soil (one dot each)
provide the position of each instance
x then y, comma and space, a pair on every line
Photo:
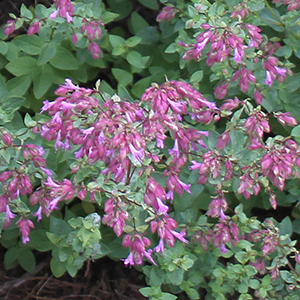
103, 279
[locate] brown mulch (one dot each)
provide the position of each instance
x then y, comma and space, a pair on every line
103, 279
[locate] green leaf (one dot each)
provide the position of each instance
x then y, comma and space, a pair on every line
124, 94
149, 35
116, 40
48, 51
140, 86
12, 52
256, 6
285, 51
25, 12
137, 22
22, 65
41, 11
120, 49
176, 276
152, 4
254, 283
270, 18
146, 291
72, 269
26, 259
42, 80
296, 226
121, 7
296, 131
2, 220
172, 48
192, 293
167, 296
287, 276
28, 121
8, 107
10, 257
108, 16
58, 268
286, 226
106, 88
39, 240
64, 60
59, 227
81, 74
18, 86
3, 61
3, 47
197, 76
133, 41
3, 88
123, 77
137, 60
30, 44
243, 287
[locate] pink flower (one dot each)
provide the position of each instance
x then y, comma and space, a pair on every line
221, 90
138, 155
160, 247
10, 27
258, 97
230, 104
162, 208
38, 213
240, 11
286, 119
269, 79
137, 244
175, 151
64, 8
129, 260
94, 49
223, 140
223, 249
24, 227
9, 215
176, 185
217, 206
166, 14
34, 28
92, 29
260, 266
7, 138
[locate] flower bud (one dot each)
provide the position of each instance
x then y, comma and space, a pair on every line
34, 28
6, 138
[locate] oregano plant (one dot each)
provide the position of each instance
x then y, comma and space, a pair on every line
163, 161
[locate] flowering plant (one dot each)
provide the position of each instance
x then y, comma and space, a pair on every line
171, 174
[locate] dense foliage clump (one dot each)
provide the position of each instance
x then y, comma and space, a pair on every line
191, 128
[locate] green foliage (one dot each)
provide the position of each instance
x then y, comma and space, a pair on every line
74, 242
135, 52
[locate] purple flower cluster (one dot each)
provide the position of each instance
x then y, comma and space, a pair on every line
292, 4
115, 215
269, 237
224, 232
64, 9
166, 14
279, 161
49, 194
17, 181
228, 43
117, 133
